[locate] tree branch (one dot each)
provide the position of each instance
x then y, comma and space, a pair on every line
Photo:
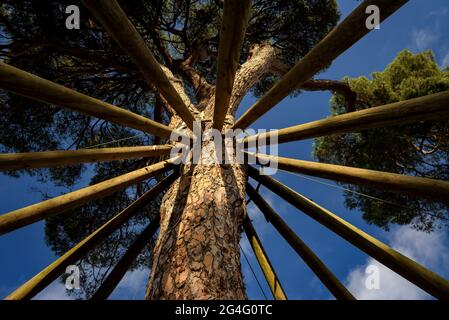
203, 89
335, 86
77, 52
185, 67
160, 46
259, 63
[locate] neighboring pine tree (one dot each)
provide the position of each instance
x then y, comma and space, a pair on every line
420, 149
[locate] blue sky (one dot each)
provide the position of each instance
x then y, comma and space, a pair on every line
419, 25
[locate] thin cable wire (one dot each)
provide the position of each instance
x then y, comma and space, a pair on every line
113, 141
254, 274
345, 189
359, 193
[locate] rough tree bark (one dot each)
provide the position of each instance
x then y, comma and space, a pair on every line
196, 255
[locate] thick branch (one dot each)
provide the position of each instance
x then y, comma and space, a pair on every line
203, 89
259, 63
185, 68
160, 46
335, 86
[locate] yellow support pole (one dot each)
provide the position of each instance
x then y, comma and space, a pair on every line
309, 257
114, 20
407, 268
46, 159
429, 188
233, 27
34, 87
264, 262
54, 270
45, 209
352, 29
430, 107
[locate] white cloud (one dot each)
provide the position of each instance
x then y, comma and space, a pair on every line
423, 39
427, 249
437, 13
445, 61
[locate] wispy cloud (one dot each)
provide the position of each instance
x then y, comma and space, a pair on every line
424, 39
445, 61
432, 35
438, 13
427, 249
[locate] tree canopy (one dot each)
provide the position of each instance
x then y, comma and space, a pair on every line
183, 35
420, 149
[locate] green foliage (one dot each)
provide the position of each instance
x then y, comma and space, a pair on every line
420, 149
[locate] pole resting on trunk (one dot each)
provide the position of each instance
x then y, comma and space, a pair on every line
114, 20
36, 284
309, 257
28, 85
264, 262
429, 188
49, 208
233, 27
407, 268
47, 159
430, 107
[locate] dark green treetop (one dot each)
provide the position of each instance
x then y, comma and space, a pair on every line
420, 149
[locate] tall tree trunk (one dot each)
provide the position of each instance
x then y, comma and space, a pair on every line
197, 253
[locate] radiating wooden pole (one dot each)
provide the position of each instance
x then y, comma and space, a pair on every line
352, 29
233, 27
30, 160
36, 284
313, 261
431, 107
407, 268
114, 20
22, 217
114, 277
264, 262
34, 87
429, 188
